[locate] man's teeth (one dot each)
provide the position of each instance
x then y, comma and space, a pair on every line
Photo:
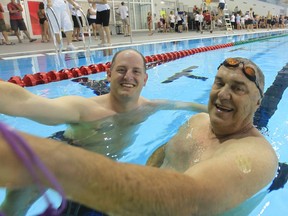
127, 85
224, 109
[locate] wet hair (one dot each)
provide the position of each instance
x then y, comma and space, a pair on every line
117, 53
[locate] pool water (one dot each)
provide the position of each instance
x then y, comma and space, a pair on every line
171, 80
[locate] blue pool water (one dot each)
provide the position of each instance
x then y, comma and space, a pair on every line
270, 55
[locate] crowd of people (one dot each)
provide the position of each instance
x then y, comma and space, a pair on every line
16, 22
204, 17
60, 15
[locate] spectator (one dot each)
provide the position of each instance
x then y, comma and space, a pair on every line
233, 21
123, 11
163, 22
249, 19
185, 21
242, 22
149, 23
63, 17
179, 19
269, 21
172, 19
3, 29
221, 7
91, 16
102, 20
238, 21
76, 14
16, 20
45, 35
197, 21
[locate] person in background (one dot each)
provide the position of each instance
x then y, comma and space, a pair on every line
238, 21
149, 23
75, 13
185, 21
102, 20
163, 23
221, 7
249, 19
172, 19
63, 16
179, 19
45, 35
233, 21
216, 164
91, 16
16, 20
269, 21
123, 11
197, 21
3, 29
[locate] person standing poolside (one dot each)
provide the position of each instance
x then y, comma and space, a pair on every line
123, 11
149, 23
221, 7
76, 25
3, 28
102, 20
172, 19
269, 21
16, 20
214, 163
63, 16
106, 124
91, 16
45, 35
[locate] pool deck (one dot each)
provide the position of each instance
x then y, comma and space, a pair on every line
138, 38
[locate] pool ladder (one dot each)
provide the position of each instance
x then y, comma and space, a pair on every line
58, 47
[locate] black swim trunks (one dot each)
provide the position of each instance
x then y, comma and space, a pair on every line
73, 208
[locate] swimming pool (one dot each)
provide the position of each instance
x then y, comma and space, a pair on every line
172, 80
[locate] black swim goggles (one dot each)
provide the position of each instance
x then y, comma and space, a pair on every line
248, 71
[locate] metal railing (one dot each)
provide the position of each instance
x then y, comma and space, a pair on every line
50, 11
82, 29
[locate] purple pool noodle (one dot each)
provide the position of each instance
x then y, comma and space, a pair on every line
18, 145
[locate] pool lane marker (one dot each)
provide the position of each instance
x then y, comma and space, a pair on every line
151, 61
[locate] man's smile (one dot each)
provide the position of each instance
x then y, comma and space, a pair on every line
223, 108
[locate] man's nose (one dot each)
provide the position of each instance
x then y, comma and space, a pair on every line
128, 74
225, 93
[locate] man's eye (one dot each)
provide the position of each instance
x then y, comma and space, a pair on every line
239, 89
120, 70
218, 84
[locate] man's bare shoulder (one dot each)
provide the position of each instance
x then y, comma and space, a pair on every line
240, 167
253, 156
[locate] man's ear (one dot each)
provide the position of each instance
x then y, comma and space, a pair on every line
108, 74
145, 79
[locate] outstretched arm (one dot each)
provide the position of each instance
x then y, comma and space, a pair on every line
179, 105
208, 188
17, 101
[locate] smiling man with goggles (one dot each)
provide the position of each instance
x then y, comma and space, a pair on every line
248, 71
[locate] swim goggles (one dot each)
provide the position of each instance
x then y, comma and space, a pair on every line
248, 71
